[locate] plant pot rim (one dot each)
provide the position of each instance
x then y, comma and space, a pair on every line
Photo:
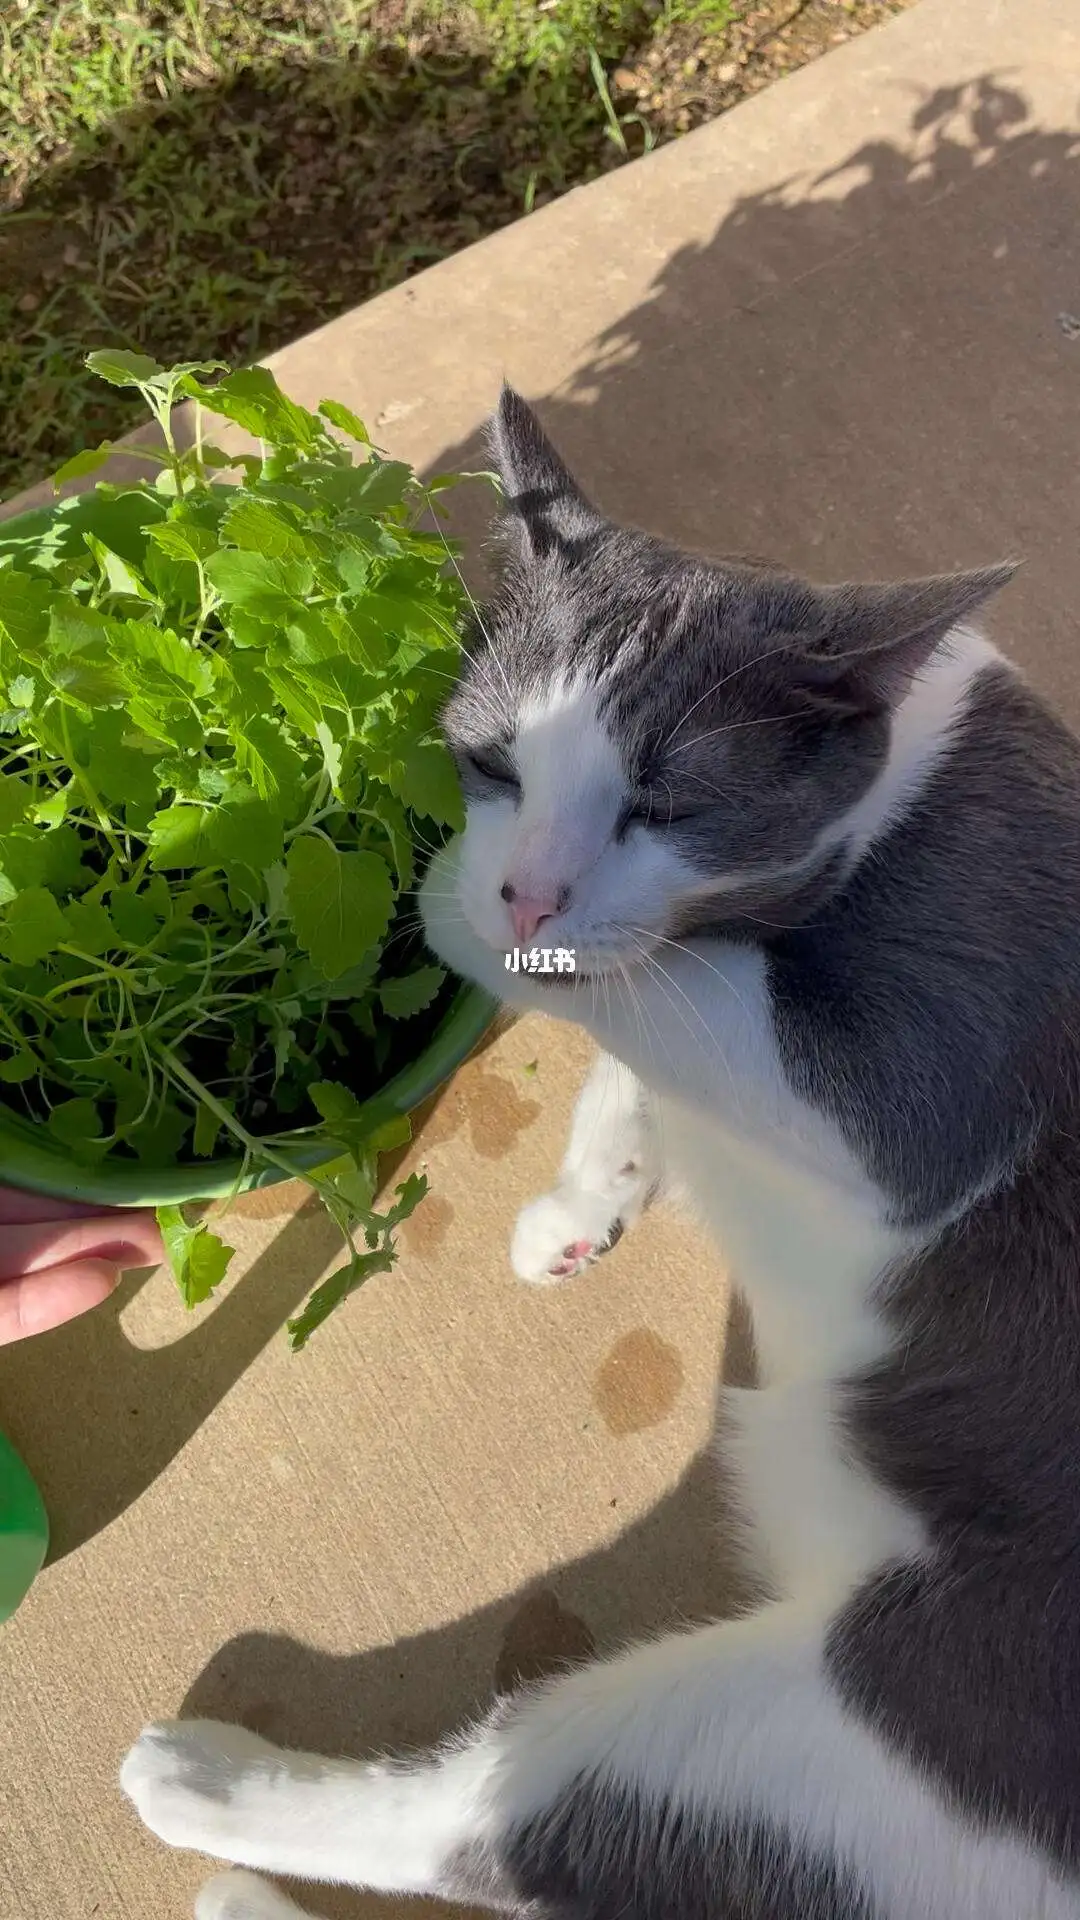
32, 1159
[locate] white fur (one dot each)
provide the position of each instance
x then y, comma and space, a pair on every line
611, 1164
243, 1896
735, 1720
561, 837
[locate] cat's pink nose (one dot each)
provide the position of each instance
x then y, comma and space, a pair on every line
528, 912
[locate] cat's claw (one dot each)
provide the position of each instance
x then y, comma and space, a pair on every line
559, 1235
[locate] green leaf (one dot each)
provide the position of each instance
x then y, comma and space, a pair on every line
24, 611
335, 1290
343, 686
339, 903
15, 800
134, 914
158, 1142
344, 418
247, 829
32, 927
120, 772
121, 577
411, 993
333, 1101
409, 1196
385, 483
122, 369
32, 857
254, 400
354, 569
197, 1257
182, 836
92, 929
274, 768
159, 663
76, 1123
426, 779
83, 463
52, 810
18, 1068
267, 588
256, 527
392, 818
301, 704
77, 662
184, 539
207, 1130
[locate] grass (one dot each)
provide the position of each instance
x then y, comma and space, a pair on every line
200, 179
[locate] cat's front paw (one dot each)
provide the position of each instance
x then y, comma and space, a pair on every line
186, 1776
559, 1235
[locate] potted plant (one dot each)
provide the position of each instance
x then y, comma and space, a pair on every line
220, 770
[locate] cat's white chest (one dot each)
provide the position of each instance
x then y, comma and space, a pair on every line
800, 1227
802, 1233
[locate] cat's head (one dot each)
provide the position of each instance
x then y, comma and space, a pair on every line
650, 743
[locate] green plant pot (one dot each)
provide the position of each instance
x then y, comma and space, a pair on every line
30, 1158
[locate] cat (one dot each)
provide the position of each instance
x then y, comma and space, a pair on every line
817, 854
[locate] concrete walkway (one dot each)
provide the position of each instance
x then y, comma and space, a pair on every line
840, 327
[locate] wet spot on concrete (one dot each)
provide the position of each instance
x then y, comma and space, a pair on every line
638, 1383
427, 1228
480, 1102
541, 1638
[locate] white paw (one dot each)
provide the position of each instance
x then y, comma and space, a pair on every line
560, 1235
187, 1778
242, 1896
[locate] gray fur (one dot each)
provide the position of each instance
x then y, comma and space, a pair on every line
604, 1854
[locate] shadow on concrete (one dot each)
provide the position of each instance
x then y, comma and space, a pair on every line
863, 374
127, 1410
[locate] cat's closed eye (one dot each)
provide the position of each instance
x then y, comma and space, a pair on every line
654, 810
493, 768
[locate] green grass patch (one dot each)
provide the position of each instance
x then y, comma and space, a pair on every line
193, 177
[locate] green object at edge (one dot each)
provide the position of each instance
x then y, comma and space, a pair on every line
24, 1530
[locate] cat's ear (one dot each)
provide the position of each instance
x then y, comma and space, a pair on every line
547, 507
873, 640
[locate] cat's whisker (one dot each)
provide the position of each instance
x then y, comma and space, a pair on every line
478, 617
743, 667
733, 726
692, 953
687, 773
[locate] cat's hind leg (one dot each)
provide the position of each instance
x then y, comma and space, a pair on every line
609, 1174
715, 1772
244, 1896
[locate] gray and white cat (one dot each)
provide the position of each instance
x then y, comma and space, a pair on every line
818, 853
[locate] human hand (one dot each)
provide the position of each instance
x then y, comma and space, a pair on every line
58, 1259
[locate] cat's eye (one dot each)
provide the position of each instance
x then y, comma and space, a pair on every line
490, 768
650, 810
